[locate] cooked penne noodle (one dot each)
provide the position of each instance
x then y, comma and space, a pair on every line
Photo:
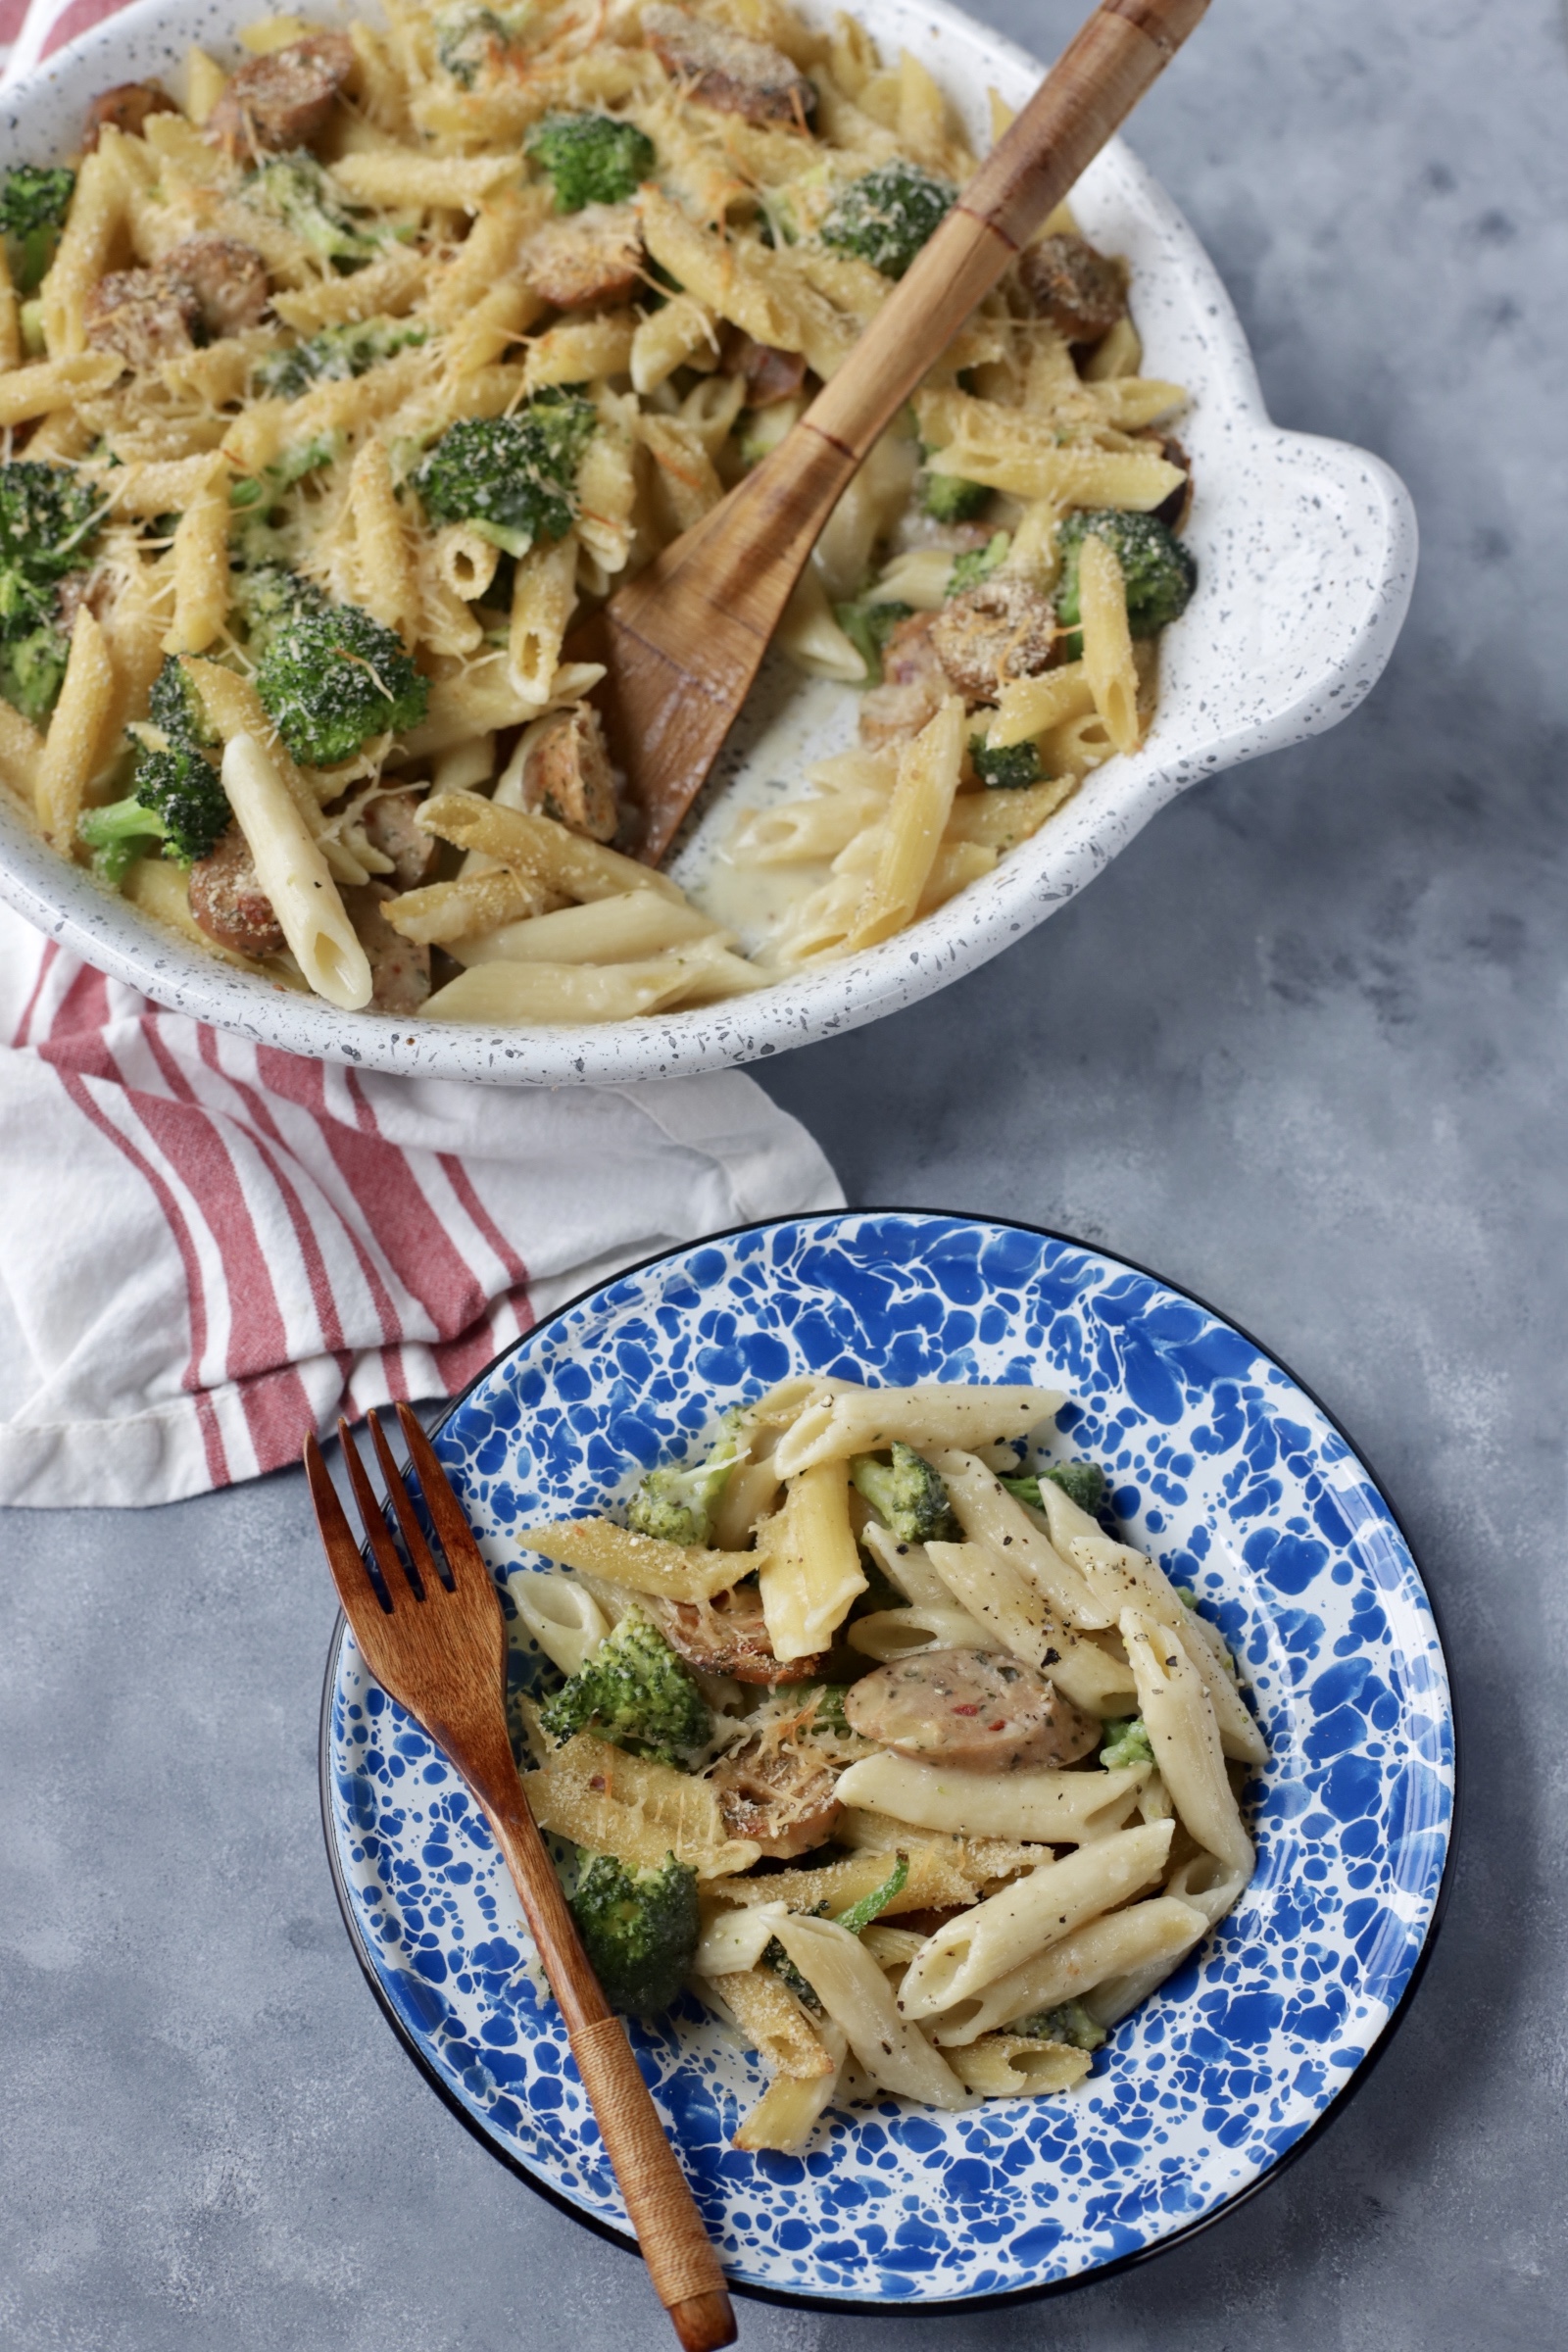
1108, 642
75, 740
201, 572
1185, 1738
1054, 1808
1007, 1929
582, 869
561, 1614
641, 1563
50, 384
1161, 1930
989, 1514
811, 1569
999, 1595
786, 2112
633, 1808
910, 833
506, 990
605, 931
1001, 2066
855, 1994
775, 2025
838, 1422
897, 1632
1032, 706
295, 876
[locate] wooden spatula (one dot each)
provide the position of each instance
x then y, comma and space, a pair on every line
682, 642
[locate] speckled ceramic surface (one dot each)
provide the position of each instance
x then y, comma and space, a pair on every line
1242, 1487
1307, 554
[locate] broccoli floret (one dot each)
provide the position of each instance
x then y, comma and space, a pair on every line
330, 676
48, 518
32, 669
473, 41
1125, 1741
948, 498
591, 159
868, 627
35, 200
1070, 2024
908, 1493
1008, 768
639, 1929
513, 479
977, 563
674, 1503
1083, 1483
177, 710
1158, 572
297, 189
886, 217
178, 801
335, 354
636, 1694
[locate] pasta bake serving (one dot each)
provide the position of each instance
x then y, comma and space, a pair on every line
334, 392
875, 1734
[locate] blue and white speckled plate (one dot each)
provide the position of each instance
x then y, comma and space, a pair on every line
1241, 1487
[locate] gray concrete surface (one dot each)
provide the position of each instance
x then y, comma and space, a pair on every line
1301, 1050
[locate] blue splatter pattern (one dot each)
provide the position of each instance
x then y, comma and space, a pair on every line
1242, 1491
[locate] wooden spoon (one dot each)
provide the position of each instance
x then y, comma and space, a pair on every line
682, 643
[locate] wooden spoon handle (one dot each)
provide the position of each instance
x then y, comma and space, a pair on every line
1094, 85
675, 2247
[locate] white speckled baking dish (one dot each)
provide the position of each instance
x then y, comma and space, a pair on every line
1306, 553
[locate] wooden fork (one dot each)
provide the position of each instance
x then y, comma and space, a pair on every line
440, 1651
682, 643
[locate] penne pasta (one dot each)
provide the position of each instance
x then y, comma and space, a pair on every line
606, 931
639, 1563
855, 1994
1052, 1808
295, 876
1008, 1928
1185, 1738
75, 736
561, 1614
1161, 1931
1108, 642
1003, 2067
838, 1422
811, 1569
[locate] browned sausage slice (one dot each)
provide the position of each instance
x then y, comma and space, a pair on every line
767, 372
391, 826
594, 256
227, 901
914, 686
125, 108
780, 1795
282, 100
144, 314
729, 1636
727, 72
568, 776
979, 1710
1002, 629
1076, 287
228, 278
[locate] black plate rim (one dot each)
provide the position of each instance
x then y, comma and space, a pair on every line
795, 2298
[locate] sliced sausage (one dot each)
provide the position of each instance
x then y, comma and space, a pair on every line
767, 372
390, 826
229, 279
914, 686
1075, 286
729, 1636
399, 969
227, 901
979, 1710
778, 1794
144, 314
568, 776
594, 257
727, 72
1002, 629
282, 100
125, 108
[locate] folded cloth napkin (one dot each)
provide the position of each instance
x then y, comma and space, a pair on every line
211, 1248
29, 33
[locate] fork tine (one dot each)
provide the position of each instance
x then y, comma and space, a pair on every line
419, 1551
373, 1518
355, 1586
463, 1555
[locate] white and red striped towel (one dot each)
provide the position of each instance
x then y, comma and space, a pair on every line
208, 1248
29, 33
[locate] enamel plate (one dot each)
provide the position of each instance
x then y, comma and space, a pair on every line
1241, 1487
